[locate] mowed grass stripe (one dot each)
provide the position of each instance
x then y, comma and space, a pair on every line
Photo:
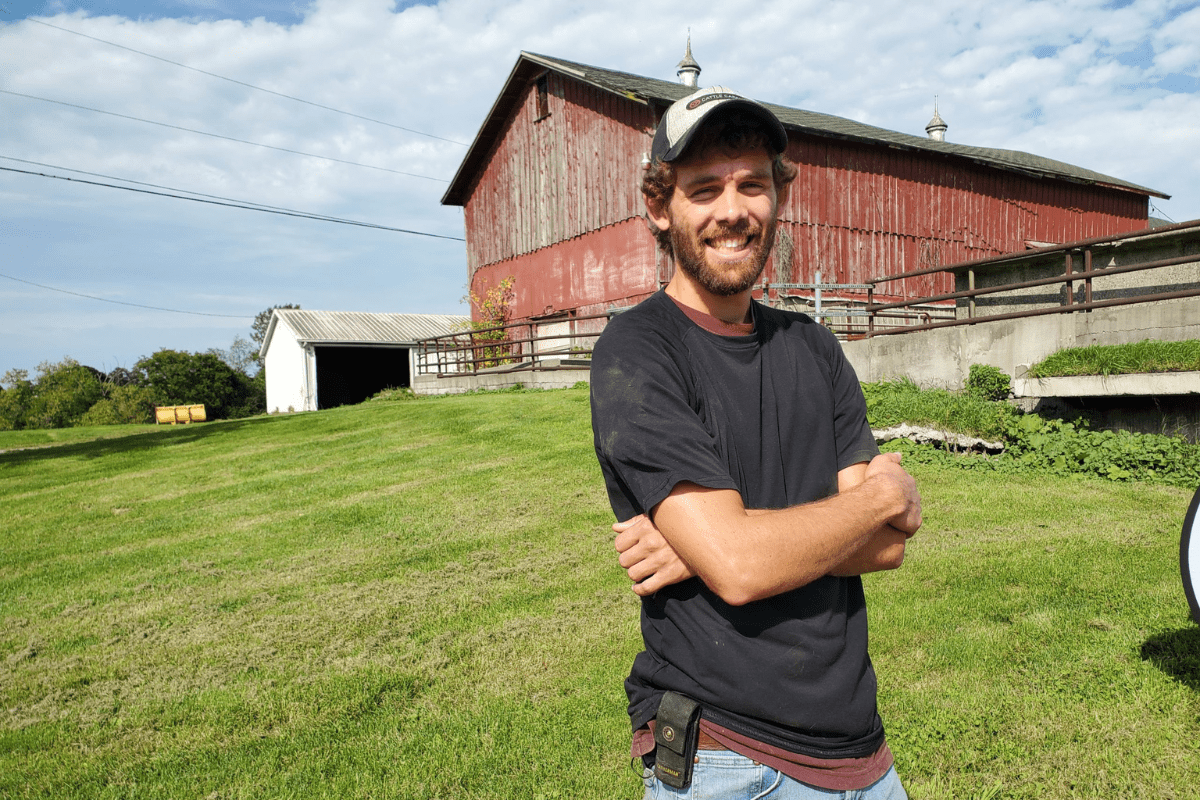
420, 599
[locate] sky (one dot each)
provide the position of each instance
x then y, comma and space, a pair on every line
1109, 86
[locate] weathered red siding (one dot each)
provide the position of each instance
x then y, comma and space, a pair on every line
557, 207
858, 212
559, 177
614, 266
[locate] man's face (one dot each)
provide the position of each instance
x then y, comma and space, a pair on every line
721, 218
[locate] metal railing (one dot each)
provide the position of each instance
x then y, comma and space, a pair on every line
1068, 277
843, 308
512, 347
566, 342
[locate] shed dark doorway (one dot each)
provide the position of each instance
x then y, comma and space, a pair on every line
347, 375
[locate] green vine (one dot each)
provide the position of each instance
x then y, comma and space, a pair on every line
491, 313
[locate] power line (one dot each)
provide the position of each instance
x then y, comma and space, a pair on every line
1160, 211
122, 302
227, 202
219, 136
151, 185
248, 85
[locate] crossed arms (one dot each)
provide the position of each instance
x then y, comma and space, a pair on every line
751, 554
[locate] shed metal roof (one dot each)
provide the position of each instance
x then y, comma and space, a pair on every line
362, 327
651, 90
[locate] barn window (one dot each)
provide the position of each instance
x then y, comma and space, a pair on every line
543, 99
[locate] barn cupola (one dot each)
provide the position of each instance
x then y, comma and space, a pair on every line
937, 126
688, 70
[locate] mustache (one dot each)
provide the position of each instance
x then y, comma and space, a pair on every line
739, 228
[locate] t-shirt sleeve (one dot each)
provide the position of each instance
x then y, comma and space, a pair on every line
852, 432
647, 435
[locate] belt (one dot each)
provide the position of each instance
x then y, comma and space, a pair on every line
706, 742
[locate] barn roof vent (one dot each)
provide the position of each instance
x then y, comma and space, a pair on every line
688, 70
937, 126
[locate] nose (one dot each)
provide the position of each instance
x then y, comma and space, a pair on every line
731, 206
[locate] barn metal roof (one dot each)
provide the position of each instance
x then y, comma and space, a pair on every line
652, 91
362, 327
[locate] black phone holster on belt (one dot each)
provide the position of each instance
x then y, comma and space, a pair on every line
676, 733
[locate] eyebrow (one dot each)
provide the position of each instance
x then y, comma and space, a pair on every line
709, 177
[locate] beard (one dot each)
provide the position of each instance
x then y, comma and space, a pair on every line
726, 278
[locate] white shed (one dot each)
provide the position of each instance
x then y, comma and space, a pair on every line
322, 359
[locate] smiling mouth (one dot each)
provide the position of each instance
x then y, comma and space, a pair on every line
729, 244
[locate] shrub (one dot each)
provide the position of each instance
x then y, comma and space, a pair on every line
15, 400
988, 382
1031, 442
1071, 447
393, 393
893, 402
124, 405
250, 395
181, 378
62, 394
492, 312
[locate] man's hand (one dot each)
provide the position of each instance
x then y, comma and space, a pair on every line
885, 549
647, 557
886, 467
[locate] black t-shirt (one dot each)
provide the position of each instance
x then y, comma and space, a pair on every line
774, 415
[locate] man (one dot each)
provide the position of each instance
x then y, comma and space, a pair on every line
735, 448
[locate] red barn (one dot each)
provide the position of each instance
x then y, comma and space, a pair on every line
549, 190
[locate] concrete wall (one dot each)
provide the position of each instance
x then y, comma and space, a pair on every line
1167, 403
1125, 252
944, 356
500, 379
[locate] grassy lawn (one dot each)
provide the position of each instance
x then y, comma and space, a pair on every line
420, 600
43, 437
1150, 355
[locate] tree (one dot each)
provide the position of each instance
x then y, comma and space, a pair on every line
242, 356
180, 378
63, 393
120, 377
123, 405
15, 399
258, 330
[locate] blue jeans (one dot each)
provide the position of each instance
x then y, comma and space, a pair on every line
722, 775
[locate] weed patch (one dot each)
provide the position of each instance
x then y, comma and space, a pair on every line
1147, 356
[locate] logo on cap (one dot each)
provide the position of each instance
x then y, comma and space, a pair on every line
708, 98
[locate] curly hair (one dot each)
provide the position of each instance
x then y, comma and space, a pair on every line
732, 134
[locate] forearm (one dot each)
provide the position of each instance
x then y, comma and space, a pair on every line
750, 555
884, 550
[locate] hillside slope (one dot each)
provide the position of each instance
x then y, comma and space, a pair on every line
420, 599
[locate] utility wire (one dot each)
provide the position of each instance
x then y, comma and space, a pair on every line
247, 85
151, 185
219, 136
229, 204
1160, 211
121, 302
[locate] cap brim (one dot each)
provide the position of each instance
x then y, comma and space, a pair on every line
775, 129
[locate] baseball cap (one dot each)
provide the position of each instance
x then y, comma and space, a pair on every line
686, 116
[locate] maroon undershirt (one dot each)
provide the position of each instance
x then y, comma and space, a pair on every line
836, 774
